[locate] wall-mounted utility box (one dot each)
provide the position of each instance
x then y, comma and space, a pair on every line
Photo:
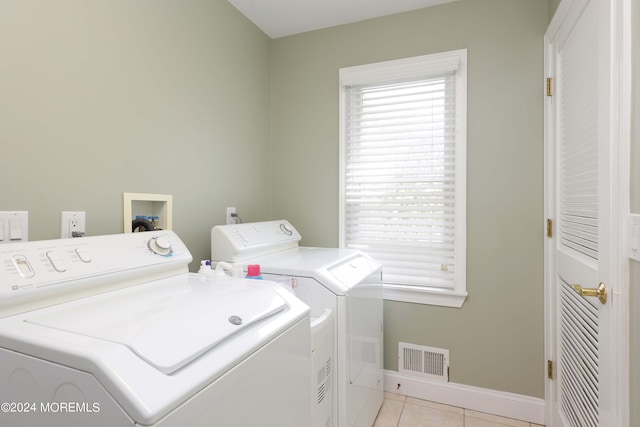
14, 226
159, 206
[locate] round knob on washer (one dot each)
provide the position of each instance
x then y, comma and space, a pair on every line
160, 246
286, 230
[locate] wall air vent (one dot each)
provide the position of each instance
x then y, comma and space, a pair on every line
422, 361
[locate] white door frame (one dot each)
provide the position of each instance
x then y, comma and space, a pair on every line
619, 194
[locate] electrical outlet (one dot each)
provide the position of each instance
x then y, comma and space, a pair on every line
72, 224
231, 219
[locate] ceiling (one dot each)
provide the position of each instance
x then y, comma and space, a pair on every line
279, 18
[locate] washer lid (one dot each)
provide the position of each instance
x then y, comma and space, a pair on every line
170, 324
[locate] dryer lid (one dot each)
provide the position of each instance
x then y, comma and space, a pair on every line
170, 324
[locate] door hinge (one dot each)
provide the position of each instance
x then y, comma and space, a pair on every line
549, 86
549, 228
549, 369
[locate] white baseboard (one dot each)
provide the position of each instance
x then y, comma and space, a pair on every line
501, 403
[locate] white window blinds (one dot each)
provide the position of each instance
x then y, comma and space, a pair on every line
400, 176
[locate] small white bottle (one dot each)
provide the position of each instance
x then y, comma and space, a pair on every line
205, 268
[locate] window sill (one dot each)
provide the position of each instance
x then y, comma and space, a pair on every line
424, 295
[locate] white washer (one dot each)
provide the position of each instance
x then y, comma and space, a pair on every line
344, 282
114, 331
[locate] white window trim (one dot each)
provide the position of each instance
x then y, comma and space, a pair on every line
436, 63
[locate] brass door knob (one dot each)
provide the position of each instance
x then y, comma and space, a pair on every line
600, 292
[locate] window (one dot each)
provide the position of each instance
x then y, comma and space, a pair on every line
403, 173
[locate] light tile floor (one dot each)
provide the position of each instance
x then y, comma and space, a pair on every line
401, 411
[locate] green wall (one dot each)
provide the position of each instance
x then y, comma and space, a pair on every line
191, 99
148, 96
553, 5
497, 339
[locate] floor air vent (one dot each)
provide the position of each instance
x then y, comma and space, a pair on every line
422, 361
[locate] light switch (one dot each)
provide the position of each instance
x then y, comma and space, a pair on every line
15, 229
14, 226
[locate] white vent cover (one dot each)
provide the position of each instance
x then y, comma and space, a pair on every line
427, 362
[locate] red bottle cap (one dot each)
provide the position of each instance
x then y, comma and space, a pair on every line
253, 270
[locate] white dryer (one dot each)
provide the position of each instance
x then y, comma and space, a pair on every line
114, 331
342, 285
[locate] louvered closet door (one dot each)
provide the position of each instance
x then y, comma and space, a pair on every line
581, 115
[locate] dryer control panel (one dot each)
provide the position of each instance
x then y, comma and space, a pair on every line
239, 242
355, 270
40, 270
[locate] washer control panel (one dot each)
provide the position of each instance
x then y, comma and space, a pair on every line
27, 268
